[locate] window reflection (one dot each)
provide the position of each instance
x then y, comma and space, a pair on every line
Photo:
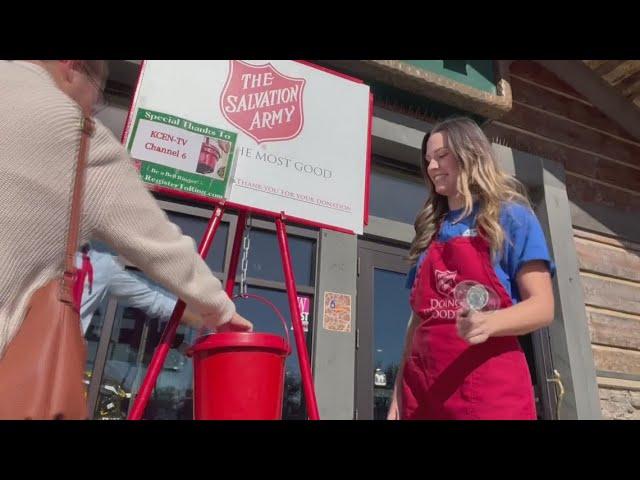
195, 228
265, 262
395, 195
391, 312
131, 348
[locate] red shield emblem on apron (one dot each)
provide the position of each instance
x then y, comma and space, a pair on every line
445, 282
262, 102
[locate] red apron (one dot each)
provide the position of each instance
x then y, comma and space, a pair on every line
445, 377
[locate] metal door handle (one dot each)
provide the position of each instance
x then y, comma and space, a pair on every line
557, 379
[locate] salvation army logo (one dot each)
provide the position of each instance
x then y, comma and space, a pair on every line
262, 102
445, 282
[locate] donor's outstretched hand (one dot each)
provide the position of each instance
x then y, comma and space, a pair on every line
237, 324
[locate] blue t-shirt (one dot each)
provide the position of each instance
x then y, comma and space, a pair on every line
524, 242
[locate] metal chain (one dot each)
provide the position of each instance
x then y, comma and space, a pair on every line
246, 243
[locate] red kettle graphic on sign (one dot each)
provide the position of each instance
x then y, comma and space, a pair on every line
262, 102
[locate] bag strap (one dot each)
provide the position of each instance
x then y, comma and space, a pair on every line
70, 271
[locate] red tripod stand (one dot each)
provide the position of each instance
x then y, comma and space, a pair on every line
162, 350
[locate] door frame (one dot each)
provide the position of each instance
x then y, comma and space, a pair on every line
371, 255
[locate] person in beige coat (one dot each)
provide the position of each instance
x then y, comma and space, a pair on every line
41, 106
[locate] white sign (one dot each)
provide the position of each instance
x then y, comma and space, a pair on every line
380, 378
275, 136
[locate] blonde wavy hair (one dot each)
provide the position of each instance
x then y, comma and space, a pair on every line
480, 178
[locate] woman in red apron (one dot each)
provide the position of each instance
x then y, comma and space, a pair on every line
482, 278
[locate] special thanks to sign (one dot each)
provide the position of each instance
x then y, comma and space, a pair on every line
269, 135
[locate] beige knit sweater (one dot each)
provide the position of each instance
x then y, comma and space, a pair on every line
39, 140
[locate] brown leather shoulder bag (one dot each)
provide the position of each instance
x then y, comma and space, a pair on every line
41, 371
